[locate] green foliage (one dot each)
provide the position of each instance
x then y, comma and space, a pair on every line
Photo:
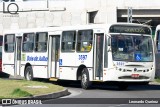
20, 93
157, 79
23, 88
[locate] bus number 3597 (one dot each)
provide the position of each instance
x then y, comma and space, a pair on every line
82, 57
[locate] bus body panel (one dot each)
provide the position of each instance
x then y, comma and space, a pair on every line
68, 73
67, 65
8, 63
38, 62
124, 71
84, 59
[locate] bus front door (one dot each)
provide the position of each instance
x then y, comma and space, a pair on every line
54, 47
98, 56
17, 61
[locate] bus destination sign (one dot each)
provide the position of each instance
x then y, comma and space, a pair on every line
129, 29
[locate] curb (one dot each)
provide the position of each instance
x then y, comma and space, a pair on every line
53, 95
38, 97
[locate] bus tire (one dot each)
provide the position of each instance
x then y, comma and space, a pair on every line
29, 73
122, 86
85, 82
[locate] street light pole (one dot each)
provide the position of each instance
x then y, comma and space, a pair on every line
129, 19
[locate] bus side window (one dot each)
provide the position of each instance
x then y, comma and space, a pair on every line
9, 43
84, 40
68, 41
28, 42
41, 42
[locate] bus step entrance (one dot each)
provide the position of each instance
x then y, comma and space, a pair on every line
53, 79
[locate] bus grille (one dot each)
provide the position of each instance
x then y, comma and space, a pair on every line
129, 77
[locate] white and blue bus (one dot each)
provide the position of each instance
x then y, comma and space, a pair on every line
120, 52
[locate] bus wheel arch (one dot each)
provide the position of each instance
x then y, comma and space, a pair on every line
28, 72
79, 71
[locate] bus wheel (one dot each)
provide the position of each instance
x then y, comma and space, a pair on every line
29, 73
123, 86
85, 83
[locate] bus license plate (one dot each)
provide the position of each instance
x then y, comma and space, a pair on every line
135, 75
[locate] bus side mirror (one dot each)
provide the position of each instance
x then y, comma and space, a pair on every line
109, 44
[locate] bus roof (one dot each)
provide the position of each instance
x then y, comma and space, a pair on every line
75, 27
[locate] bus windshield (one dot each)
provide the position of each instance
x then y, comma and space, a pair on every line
132, 48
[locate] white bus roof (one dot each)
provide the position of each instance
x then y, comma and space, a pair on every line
76, 27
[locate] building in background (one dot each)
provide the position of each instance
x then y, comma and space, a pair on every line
41, 13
